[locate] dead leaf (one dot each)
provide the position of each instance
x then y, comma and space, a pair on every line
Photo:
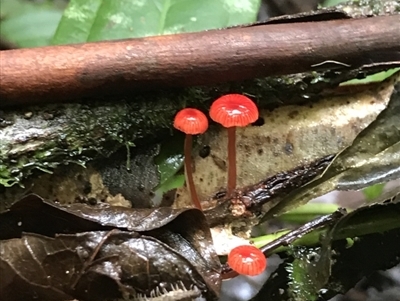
373, 157
53, 250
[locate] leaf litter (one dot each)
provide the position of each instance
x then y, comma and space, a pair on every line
94, 226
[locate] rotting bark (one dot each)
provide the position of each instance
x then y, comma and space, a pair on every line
251, 199
105, 179
202, 58
43, 137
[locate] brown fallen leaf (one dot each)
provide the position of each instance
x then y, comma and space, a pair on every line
50, 250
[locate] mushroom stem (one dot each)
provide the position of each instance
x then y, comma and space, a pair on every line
187, 151
231, 160
233, 110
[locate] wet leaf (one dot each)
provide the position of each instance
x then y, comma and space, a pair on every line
335, 266
371, 253
125, 265
307, 273
375, 218
373, 228
350, 265
373, 157
133, 251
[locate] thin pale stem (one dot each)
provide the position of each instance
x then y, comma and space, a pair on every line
187, 151
231, 160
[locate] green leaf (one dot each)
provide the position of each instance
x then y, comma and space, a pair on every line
170, 159
96, 20
376, 218
172, 183
28, 23
308, 273
374, 228
241, 11
374, 250
377, 77
312, 267
373, 191
332, 2
76, 22
307, 212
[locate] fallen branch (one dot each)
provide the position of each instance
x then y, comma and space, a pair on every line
60, 73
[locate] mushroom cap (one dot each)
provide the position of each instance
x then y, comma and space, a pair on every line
191, 121
247, 260
234, 110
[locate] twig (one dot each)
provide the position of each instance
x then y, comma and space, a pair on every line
60, 73
317, 223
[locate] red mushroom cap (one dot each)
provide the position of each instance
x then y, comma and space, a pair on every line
234, 110
247, 260
191, 121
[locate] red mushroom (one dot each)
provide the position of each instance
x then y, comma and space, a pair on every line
247, 260
233, 110
191, 122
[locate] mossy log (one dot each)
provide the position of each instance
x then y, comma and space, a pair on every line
43, 137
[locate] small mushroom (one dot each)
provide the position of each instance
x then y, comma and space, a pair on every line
191, 122
231, 111
247, 260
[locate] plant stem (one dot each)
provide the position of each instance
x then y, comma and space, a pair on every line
358, 223
308, 212
231, 160
187, 150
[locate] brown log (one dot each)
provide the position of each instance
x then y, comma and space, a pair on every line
59, 73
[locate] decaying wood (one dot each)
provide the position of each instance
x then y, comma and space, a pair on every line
43, 137
57, 73
292, 137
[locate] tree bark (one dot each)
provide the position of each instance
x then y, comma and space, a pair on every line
60, 73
